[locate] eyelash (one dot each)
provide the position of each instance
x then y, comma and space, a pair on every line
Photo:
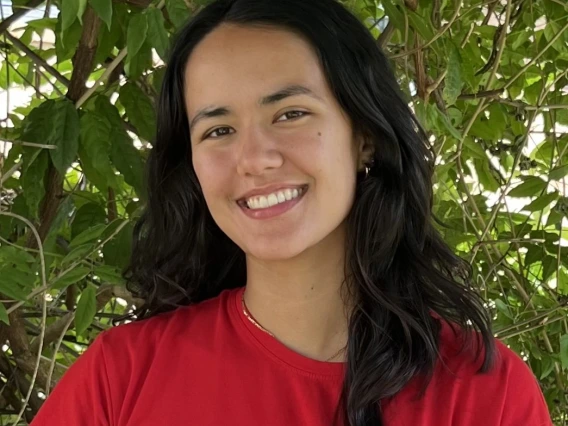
208, 135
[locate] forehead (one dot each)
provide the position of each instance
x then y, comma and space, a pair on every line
235, 62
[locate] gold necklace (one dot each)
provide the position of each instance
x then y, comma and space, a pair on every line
251, 319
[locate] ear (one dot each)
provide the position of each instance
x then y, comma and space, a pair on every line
365, 152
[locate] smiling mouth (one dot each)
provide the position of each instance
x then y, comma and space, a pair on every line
273, 199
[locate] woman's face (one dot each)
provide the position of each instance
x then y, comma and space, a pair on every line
273, 151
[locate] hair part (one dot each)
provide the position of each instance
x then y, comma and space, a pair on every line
403, 277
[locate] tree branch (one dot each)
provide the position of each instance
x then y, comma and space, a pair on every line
18, 13
37, 59
482, 94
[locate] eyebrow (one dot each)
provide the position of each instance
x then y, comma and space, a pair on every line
286, 92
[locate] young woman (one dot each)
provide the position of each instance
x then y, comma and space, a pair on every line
287, 257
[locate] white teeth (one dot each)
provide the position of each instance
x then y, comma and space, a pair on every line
270, 200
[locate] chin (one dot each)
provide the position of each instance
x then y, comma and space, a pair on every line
276, 251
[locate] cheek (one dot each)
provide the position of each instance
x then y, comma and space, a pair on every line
212, 170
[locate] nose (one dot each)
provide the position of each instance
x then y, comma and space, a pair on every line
257, 152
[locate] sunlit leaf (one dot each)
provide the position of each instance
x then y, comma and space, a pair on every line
531, 186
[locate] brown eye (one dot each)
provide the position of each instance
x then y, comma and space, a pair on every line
221, 132
293, 115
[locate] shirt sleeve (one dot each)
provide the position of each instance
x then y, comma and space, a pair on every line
525, 403
82, 396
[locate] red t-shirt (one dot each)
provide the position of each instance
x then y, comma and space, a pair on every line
208, 365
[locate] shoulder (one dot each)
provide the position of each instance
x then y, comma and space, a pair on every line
468, 358
167, 329
508, 392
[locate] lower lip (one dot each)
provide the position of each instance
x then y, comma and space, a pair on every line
273, 211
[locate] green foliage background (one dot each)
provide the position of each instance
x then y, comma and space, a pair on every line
488, 80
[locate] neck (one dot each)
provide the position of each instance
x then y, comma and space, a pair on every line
302, 301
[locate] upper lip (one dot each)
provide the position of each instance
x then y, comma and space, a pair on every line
265, 190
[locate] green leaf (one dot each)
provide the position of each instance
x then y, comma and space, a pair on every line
32, 180
558, 172
69, 12
453, 86
82, 7
72, 277
445, 121
541, 202
86, 309
519, 38
66, 42
108, 40
503, 308
554, 218
117, 251
564, 351
104, 10
77, 252
128, 161
101, 181
551, 29
547, 366
139, 110
4, 314
109, 274
95, 140
37, 126
55, 123
112, 227
394, 14
531, 186
158, 78
136, 66
123, 154
485, 129
4, 76
563, 282
549, 266
136, 35
474, 149
157, 33
65, 134
42, 24
88, 235
485, 175
419, 24
178, 12
532, 92
10, 283
87, 215
21, 258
